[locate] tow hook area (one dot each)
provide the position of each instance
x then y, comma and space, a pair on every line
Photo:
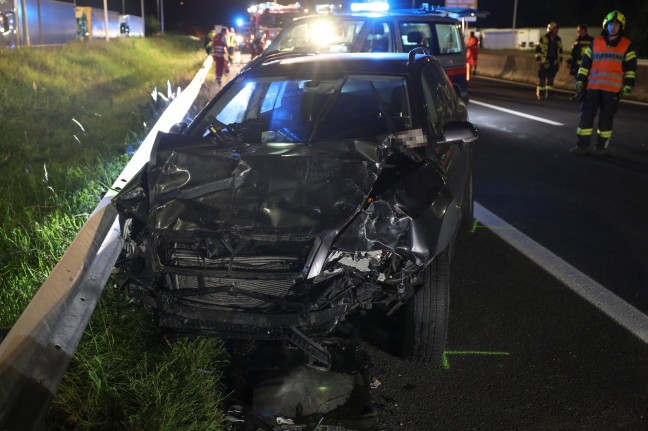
315, 351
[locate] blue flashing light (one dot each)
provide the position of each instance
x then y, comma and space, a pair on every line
370, 6
239, 22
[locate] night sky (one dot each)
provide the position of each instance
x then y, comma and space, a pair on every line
194, 16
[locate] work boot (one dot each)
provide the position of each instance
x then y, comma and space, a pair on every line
601, 146
578, 151
598, 151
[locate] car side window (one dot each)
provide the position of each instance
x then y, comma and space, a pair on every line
379, 39
449, 38
440, 100
415, 34
444, 86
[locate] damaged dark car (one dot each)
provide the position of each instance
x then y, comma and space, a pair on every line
312, 190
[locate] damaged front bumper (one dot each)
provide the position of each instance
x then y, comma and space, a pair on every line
283, 243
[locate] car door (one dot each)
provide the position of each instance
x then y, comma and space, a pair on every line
441, 106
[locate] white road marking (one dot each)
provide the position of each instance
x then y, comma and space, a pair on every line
620, 311
519, 114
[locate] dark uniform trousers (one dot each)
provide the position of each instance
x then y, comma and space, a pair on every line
607, 103
546, 73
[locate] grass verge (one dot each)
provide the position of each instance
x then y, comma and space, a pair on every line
69, 115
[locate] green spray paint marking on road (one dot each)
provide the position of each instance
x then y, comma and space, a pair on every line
446, 353
476, 225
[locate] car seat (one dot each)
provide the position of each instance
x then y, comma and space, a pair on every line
414, 39
377, 40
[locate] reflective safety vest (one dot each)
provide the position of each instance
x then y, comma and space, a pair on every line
219, 45
606, 72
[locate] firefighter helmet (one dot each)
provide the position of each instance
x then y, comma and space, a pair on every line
551, 26
615, 15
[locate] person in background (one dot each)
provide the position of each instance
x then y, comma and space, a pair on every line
472, 51
231, 44
548, 56
219, 53
582, 42
607, 72
208, 40
258, 44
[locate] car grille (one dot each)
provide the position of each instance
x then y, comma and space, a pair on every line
230, 253
186, 257
230, 292
228, 269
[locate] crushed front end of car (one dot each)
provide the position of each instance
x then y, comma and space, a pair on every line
277, 241
291, 204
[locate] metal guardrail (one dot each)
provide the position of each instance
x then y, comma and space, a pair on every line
36, 352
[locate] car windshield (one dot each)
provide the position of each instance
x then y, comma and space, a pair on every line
279, 109
318, 34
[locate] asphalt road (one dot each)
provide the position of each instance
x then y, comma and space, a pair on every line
524, 351
589, 211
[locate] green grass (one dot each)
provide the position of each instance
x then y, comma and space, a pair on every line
69, 113
128, 377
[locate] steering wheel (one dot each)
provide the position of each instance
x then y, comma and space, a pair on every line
224, 132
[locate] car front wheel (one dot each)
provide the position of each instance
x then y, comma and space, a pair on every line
468, 205
425, 327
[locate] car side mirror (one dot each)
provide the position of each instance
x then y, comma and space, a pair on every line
459, 131
178, 128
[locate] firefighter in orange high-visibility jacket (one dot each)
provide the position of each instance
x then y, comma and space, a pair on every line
607, 72
472, 52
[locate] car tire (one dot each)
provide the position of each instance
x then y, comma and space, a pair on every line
468, 204
425, 326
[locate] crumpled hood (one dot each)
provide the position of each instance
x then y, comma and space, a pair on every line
195, 185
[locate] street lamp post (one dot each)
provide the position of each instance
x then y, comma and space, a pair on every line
160, 5
514, 13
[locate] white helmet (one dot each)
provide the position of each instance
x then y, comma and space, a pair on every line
551, 26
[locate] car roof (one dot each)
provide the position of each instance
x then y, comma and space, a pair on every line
393, 63
379, 15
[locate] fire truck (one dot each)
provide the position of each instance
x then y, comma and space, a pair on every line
270, 18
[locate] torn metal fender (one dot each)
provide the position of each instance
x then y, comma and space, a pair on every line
416, 218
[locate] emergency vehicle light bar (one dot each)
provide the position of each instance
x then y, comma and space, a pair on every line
370, 6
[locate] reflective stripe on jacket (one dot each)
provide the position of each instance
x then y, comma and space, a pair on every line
606, 72
543, 49
219, 46
578, 51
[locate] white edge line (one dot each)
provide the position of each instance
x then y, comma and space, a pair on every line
616, 308
519, 114
559, 90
